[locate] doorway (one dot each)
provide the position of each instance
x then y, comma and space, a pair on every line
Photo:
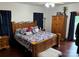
39, 18
75, 25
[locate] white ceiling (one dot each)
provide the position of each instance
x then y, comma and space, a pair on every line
42, 3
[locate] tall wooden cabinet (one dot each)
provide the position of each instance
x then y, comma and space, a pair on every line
59, 25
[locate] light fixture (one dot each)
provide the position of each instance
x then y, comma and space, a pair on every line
47, 5
50, 5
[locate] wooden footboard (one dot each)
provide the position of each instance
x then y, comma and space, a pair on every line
42, 46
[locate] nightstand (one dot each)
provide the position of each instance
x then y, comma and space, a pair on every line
4, 42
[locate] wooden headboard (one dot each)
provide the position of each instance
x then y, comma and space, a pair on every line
22, 25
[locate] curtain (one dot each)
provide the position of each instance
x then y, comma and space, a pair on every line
6, 25
71, 25
5, 21
0, 24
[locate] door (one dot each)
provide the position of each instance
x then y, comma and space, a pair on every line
54, 24
39, 18
61, 25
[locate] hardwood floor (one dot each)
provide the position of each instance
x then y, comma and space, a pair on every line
17, 51
11, 52
67, 48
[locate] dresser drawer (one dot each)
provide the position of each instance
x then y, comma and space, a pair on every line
0, 43
4, 42
0, 47
0, 39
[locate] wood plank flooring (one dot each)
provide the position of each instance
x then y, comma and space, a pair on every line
68, 49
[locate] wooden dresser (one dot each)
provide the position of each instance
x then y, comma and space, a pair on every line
4, 42
59, 25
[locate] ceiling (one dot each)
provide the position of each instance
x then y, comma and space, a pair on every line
42, 3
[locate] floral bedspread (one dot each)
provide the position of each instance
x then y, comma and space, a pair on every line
27, 40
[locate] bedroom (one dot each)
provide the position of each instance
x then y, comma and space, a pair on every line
24, 11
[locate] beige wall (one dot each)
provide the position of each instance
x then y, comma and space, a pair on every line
20, 12
52, 11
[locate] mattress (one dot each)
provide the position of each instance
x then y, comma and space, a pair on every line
27, 40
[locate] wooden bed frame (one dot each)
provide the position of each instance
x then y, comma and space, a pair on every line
39, 47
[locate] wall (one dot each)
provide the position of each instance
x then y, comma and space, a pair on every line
20, 12
52, 11
24, 12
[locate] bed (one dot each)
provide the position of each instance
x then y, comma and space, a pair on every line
37, 42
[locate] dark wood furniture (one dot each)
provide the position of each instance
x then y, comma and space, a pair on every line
4, 42
59, 25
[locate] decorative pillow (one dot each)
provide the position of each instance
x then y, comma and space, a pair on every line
22, 31
29, 29
35, 29
18, 30
28, 33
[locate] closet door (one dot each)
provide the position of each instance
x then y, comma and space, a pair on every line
61, 25
54, 24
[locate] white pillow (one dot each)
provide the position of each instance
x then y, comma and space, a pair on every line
28, 33
18, 30
22, 31
36, 29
